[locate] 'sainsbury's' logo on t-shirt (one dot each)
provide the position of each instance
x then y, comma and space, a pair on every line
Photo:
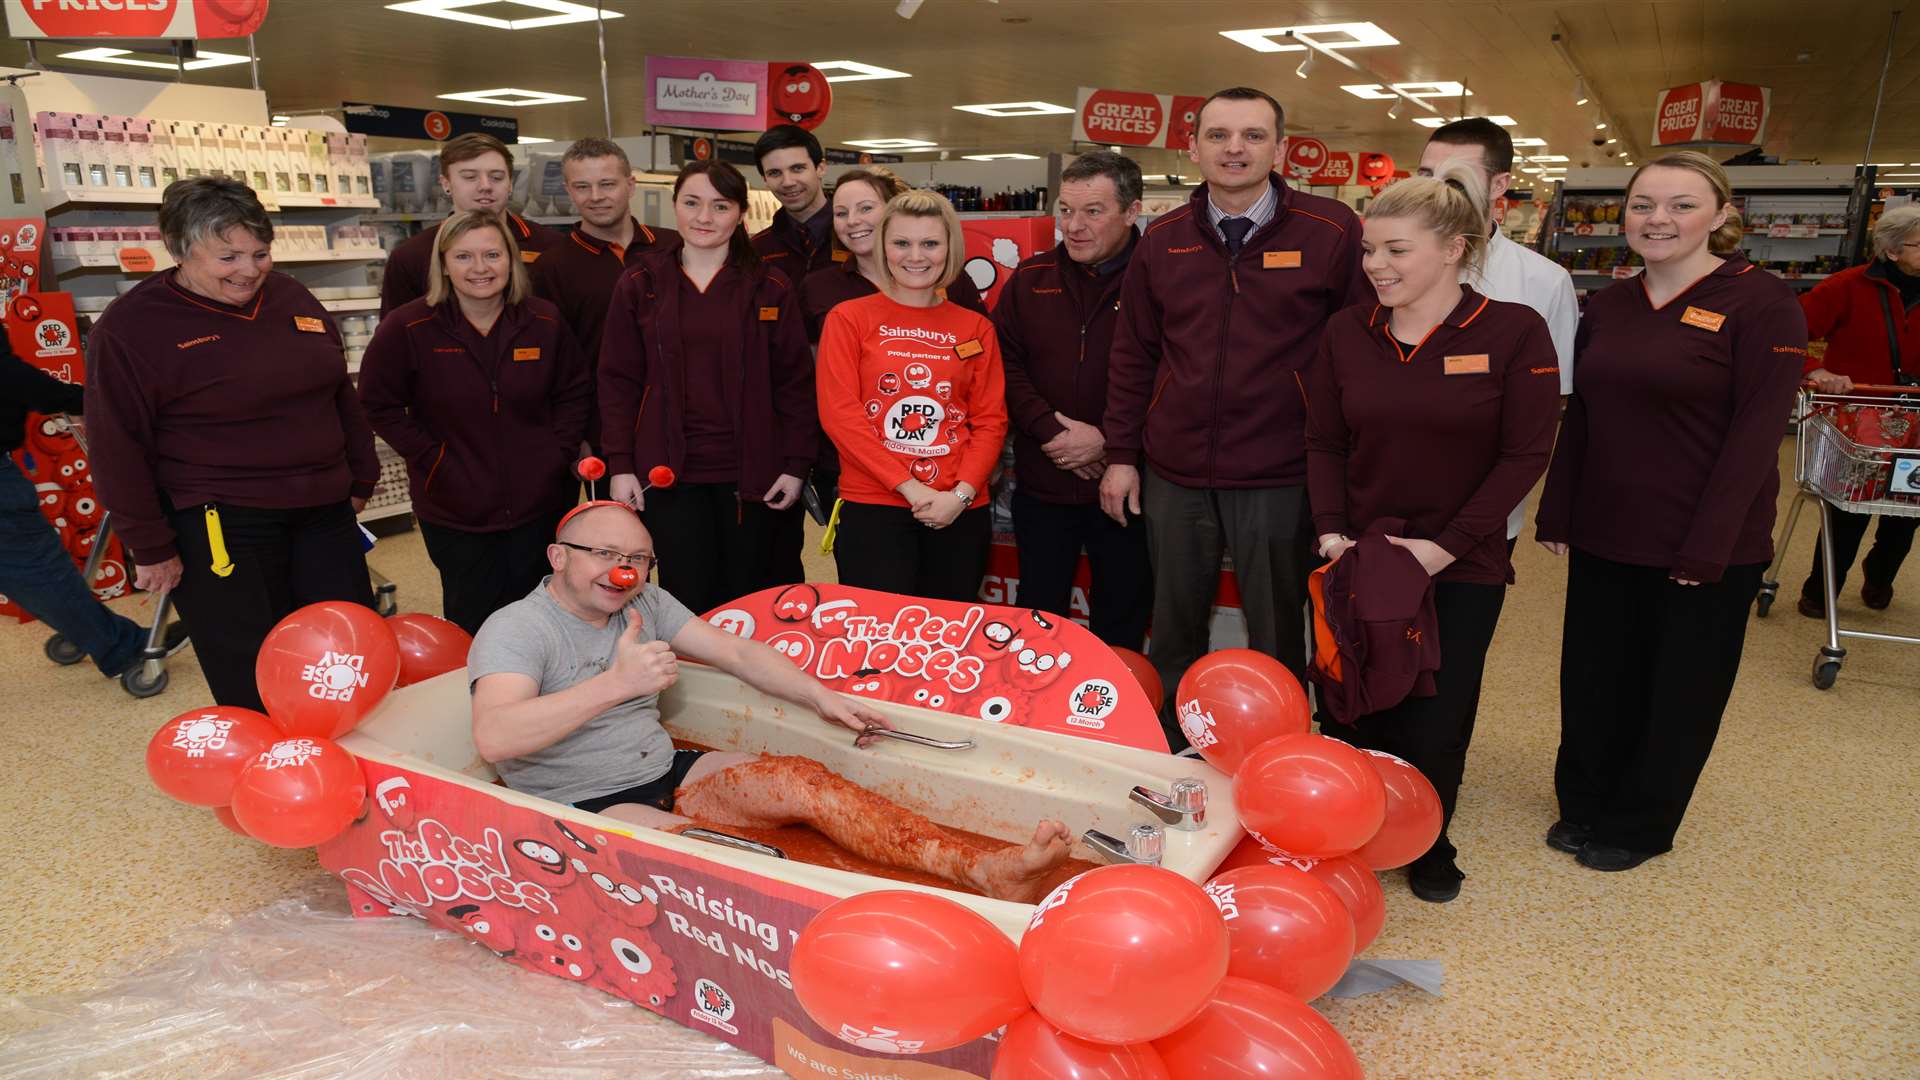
920, 333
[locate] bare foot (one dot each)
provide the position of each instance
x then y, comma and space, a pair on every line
1017, 872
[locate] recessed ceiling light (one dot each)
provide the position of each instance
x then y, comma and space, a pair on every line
281, 120
891, 144
855, 71
1600, 125
530, 140
1016, 108
1529, 141
1546, 157
1531, 169
1438, 121
1376, 92
1610, 142
1000, 157
203, 59
1354, 35
1580, 95
511, 97
556, 12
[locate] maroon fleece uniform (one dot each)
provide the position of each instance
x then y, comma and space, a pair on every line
405, 278
1669, 455
1205, 377
1448, 436
579, 271
797, 248
193, 401
490, 425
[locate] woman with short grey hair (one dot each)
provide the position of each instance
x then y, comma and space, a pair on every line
1869, 317
226, 435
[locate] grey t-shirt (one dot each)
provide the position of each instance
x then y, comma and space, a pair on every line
624, 746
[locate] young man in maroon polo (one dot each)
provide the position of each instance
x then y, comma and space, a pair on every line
1221, 311
1055, 321
800, 240
476, 170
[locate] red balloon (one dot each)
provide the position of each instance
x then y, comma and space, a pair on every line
224, 814
1309, 795
1250, 1030
299, 793
1413, 817
1123, 954
1231, 701
591, 468
428, 646
1251, 852
198, 756
660, 476
906, 973
323, 668
1033, 1049
1285, 928
1359, 889
1145, 674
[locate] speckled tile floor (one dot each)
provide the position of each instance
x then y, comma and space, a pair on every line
1780, 939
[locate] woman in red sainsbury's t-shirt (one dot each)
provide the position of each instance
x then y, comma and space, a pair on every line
912, 395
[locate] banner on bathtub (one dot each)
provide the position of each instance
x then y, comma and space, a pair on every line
700, 943
999, 664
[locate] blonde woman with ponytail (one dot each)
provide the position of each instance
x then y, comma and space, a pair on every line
1663, 488
1429, 416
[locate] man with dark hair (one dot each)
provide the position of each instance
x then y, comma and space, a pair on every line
1055, 320
476, 171
1221, 311
800, 240
578, 273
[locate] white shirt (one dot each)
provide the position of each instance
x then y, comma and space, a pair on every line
1520, 275
1261, 212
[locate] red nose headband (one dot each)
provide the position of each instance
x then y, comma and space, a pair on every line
586, 506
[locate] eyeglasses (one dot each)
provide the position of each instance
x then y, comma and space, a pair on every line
645, 561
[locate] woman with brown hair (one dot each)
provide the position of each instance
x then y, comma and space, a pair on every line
481, 388
859, 197
704, 368
1662, 488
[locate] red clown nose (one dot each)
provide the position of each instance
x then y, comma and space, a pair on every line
624, 577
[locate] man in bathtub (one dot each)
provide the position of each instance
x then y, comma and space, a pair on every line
565, 686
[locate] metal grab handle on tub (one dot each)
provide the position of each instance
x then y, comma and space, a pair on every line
739, 843
920, 740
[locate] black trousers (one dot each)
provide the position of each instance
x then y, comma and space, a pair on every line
1646, 666
1432, 733
884, 548
1051, 536
715, 547
282, 560
482, 572
1891, 543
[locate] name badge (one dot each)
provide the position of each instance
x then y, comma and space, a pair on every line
1470, 364
968, 349
521, 356
769, 314
1279, 260
1706, 320
307, 324
529, 256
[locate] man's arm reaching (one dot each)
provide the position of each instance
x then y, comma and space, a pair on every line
512, 719
767, 671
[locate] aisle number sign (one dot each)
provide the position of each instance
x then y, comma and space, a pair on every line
1712, 112
172, 20
1136, 118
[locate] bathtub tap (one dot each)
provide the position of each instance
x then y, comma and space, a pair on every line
1144, 844
1184, 809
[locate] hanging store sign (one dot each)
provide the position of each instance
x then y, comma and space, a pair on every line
400, 122
172, 20
1133, 118
712, 95
1713, 112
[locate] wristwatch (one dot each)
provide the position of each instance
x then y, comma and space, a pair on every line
965, 500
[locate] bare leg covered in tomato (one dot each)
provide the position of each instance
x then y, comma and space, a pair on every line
767, 792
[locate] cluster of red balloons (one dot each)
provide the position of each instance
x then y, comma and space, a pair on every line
1125, 973
280, 777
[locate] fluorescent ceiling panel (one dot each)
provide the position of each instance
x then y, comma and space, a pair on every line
838, 71
554, 12
1353, 35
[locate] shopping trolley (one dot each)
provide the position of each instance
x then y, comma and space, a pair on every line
1840, 473
148, 675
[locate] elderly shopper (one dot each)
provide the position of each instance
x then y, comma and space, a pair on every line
226, 436
1870, 318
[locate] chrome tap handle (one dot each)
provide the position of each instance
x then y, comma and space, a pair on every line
1185, 809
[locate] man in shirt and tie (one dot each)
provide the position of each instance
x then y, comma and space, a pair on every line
1221, 310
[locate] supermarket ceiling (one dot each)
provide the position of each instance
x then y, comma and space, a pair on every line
1822, 60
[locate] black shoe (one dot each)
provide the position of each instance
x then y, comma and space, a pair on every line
1813, 607
1876, 597
172, 640
1609, 858
1434, 880
1568, 837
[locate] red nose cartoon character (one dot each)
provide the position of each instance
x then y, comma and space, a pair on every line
110, 580
924, 470
889, 382
394, 797
871, 683
913, 422
539, 861
1036, 664
795, 645
919, 376
628, 904
543, 946
799, 94
943, 389
873, 408
795, 603
483, 926
928, 699
84, 512
830, 618
633, 967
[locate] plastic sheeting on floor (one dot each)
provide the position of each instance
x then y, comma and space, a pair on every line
303, 989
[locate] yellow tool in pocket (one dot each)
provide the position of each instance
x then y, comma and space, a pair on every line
217, 543
833, 527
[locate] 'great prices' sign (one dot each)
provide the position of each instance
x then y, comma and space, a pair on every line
1133, 118
1722, 113
170, 19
